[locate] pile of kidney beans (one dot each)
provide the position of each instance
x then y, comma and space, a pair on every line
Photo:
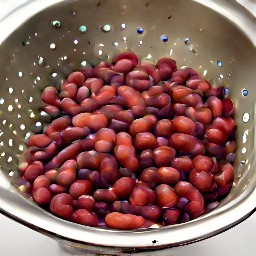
132, 144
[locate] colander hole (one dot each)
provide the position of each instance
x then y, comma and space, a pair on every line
106, 28
186, 40
123, 26
21, 147
11, 173
83, 29
22, 127
243, 150
246, 117
20, 74
245, 92
226, 91
10, 90
10, 142
10, 108
243, 162
9, 159
164, 38
115, 43
1, 101
52, 46
75, 41
140, 30
219, 63
56, 23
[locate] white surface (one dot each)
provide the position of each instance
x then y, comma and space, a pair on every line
17, 240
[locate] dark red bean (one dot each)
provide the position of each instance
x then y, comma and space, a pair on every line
225, 123
150, 68
66, 177
94, 84
164, 128
167, 175
105, 95
166, 67
203, 163
41, 182
51, 96
181, 110
85, 202
42, 196
76, 78
68, 90
171, 216
118, 126
79, 188
52, 111
144, 140
195, 207
110, 110
90, 160
146, 158
122, 221
84, 217
186, 144
58, 125
51, 175
39, 140
183, 164
82, 94
150, 212
89, 105
71, 163
216, 135
74, 133
105, 195
61, 205
139, 80
144, 124
182, 124
102, 209
127, 56
166, 196
215, 105
219, 92
142, 195
149, 175
123, 66
70, 106
33, 170
226, 175
228, 107
87, 71
197, 84
92, 176
163, 156
104, 138
123, 187
214, 150
58, 189
94, 121
202, 180
161, 141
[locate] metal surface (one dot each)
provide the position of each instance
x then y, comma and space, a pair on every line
218, 30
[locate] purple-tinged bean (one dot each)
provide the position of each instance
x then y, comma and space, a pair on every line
94, 85
166, 67
163, 156
82, 94
171, 216
85, 202
182, 124
71, 134
215, 105
142, 195
76, 78
51, 96
33, 170
123, 187
164, 128
39, 140
58, 189
68, 90
201, 180
79, 188
166, 196
214, 150
183, 164
84, 217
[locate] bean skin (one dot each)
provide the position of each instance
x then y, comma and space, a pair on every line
166, 67
144, 124
226, 175
123, 187
82, 93
57, 189
58, 125
42, 196
90, 160
122, 221
167, 175
215, 105
33, 170
68, 90
76, 78
84, 217
144, 140
66, 177
70, 106
216, 135
228, 107
85, 202
39, 140
41, 182
149, 212
61, 205
197, 84
94, 85
139, 80
164, 128
142, 195
74, 133
214, 150
182, 163
203, 163
166, 196
186, 144
149, 175
128, 56
51, 96
171, 216
149, 67
202, 180
105, 195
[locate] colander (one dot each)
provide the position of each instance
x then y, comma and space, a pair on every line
43, 41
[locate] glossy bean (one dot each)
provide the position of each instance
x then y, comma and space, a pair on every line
167, 175
66, 177
39, 140
104, 195
166, 196
79, 188
226, 175
202, 180
183, 164
58, 125
139, 80
166, 67
51, 96
33, 170
197, 84
82, 94
58, 189
215, 105
85, 202
90, 159
164, 128
144, 140
142, 195
42, 196
228, 107
70, 107
163, 156
76, 78
214, 150
68, 90
123, 187
182, 124
171, 216
84, 217
94, 85
203, 163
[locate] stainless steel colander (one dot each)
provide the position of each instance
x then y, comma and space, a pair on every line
41, 44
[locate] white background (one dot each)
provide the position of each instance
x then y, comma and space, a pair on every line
17, 240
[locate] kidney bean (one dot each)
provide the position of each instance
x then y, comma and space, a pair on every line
163, 156
186, 144
90, 159
87, 71
109, 169
197, 84
51, 175
228, 107
182, 163
140, 125
58, 189
88, 143
79, 188
77, 78
125, 116
133, 99
142, 195
110, 110
152, 111
150, 69
105, 139
33, 170
84, 217
219, 92
182, 124
123, 207
166, 196
171, 216
89, 105
105, 95
51, 96
214, 150
161, 141
222, 192
101, 209
39, 140
195, 207
146, 158
149, 212
42, 196
94, 121
41, 182
216, 135
203, 163
122, 221
193, 100
118, 126
105, 195
71, 134
167, 175
128, 56
82, 93
66, 177
70, 163
226, 175
52, 111
225, 123
69, 152
144, 140
139, 80
68, 90
215, 105
164, 128
202, 115
166, 67
123, 187
107, 74
201, 180
85, 202
230, 147
182, 75
179, 92
94, 85
61, 205
58, 125
123, 66
70, 106
92, 176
